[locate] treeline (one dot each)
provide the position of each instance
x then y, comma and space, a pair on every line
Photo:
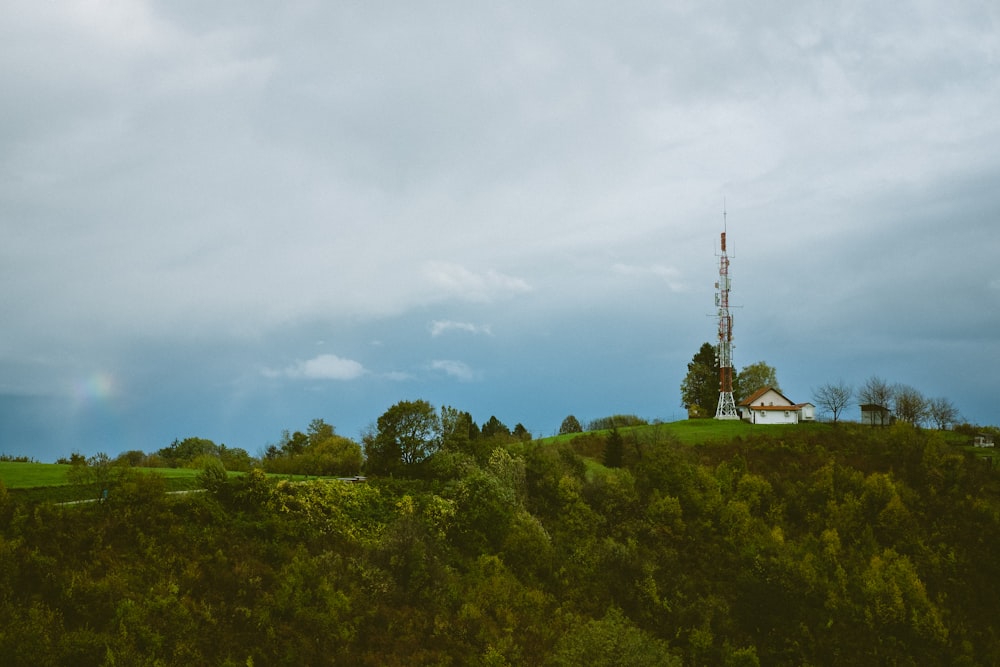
825, 546
407, 435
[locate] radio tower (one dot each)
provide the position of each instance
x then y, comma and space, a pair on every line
727, 406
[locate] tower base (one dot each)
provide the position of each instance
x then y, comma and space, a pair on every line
727, 406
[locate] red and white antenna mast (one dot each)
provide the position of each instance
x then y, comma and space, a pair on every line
727, 405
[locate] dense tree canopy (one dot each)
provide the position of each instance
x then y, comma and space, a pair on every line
809, 545
700, 387
318, 451
406, 434
753, 377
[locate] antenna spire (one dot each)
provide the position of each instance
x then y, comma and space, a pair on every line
727, 405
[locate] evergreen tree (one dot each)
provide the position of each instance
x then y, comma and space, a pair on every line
700, 388
614, 450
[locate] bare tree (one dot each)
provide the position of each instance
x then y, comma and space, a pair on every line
876, 391
834, 397
911, 406
942, 412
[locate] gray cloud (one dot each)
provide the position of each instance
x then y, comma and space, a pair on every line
187, 188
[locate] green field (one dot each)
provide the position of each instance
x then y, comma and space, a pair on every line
38, 482
699, 431
33, 475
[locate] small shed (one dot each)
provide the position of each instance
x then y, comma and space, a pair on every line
982, 440
873, 414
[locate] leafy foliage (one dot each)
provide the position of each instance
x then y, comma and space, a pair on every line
407, 433
753, 377
570, 425
615, 421
700, 387
818, 545
318, 451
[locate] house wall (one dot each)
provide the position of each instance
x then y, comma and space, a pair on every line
875, 417
808, 413
790, 416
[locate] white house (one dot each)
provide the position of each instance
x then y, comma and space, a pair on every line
767, 405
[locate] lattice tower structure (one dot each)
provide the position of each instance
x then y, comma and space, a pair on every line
724, 350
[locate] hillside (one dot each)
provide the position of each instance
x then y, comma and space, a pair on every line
819, 545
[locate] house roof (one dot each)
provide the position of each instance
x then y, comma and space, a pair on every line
748, 401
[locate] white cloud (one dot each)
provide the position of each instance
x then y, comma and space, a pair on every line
455, 279
439, 327
456, 369
323, 367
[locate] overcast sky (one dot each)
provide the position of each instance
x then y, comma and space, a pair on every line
227, 219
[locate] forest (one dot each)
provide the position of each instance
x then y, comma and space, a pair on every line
819, 545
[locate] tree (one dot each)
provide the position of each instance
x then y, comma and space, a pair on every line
612, 640
911, 406
319, 431
834, 397
753, 377
334, 455
614, 450
235, 458
876, 391
570, 425
700, 388
494, 427
185, 452
942, 412
406, 434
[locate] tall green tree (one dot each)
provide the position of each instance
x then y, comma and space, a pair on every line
753, 377
406, 434
614, 449
494, 427
700, 388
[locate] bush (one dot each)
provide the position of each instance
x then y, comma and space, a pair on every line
616, 421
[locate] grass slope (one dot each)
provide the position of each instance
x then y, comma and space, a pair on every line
699, 431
